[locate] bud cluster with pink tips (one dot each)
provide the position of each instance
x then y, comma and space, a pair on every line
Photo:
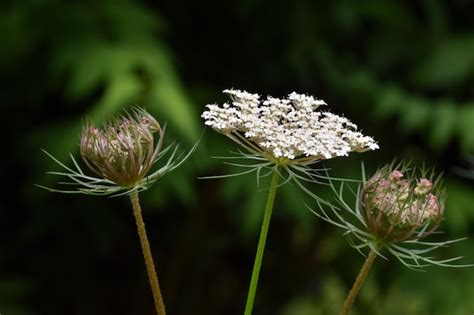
124, 150
394, 202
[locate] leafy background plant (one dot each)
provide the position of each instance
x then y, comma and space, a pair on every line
402, 70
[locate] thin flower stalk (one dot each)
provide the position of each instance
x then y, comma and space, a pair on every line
261, 243
146, 250
358, 283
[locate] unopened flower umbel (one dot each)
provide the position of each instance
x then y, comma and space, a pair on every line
395, 209
123, 151
122, 154
394, 205
289, 130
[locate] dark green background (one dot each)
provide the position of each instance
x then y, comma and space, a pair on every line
402, 70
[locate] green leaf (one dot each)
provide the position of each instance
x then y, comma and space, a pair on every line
443, 124
459, 212
450, 63
169, 99
389, 102
120, 92
465, 128
415, 115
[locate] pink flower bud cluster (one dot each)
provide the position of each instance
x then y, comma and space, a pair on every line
392, 203
122, 151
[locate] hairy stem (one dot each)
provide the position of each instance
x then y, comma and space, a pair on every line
261, 243
358, 283
150, 266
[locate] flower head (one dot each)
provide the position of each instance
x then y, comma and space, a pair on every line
394, 210
285, 135
286, 131
394, 205
122, 154
124, 150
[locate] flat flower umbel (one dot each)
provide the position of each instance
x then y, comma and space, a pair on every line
289, 133
122, 154
286, 131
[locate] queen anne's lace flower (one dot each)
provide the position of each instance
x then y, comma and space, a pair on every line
285, 130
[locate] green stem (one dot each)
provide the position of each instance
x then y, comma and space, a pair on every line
150, 266
358, 283
261, 243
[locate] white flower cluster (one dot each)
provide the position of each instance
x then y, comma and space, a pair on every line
289, 128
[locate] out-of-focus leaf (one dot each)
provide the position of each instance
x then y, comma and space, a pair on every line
120, 91
390, 101
443, 124
415, 115
465, 128
130, 20
451, 62
251, 208
168, 99
459, 208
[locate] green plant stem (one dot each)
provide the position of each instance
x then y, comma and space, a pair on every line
261, 243
358, 283
150, 266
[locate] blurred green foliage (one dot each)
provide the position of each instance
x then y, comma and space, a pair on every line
402, 70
